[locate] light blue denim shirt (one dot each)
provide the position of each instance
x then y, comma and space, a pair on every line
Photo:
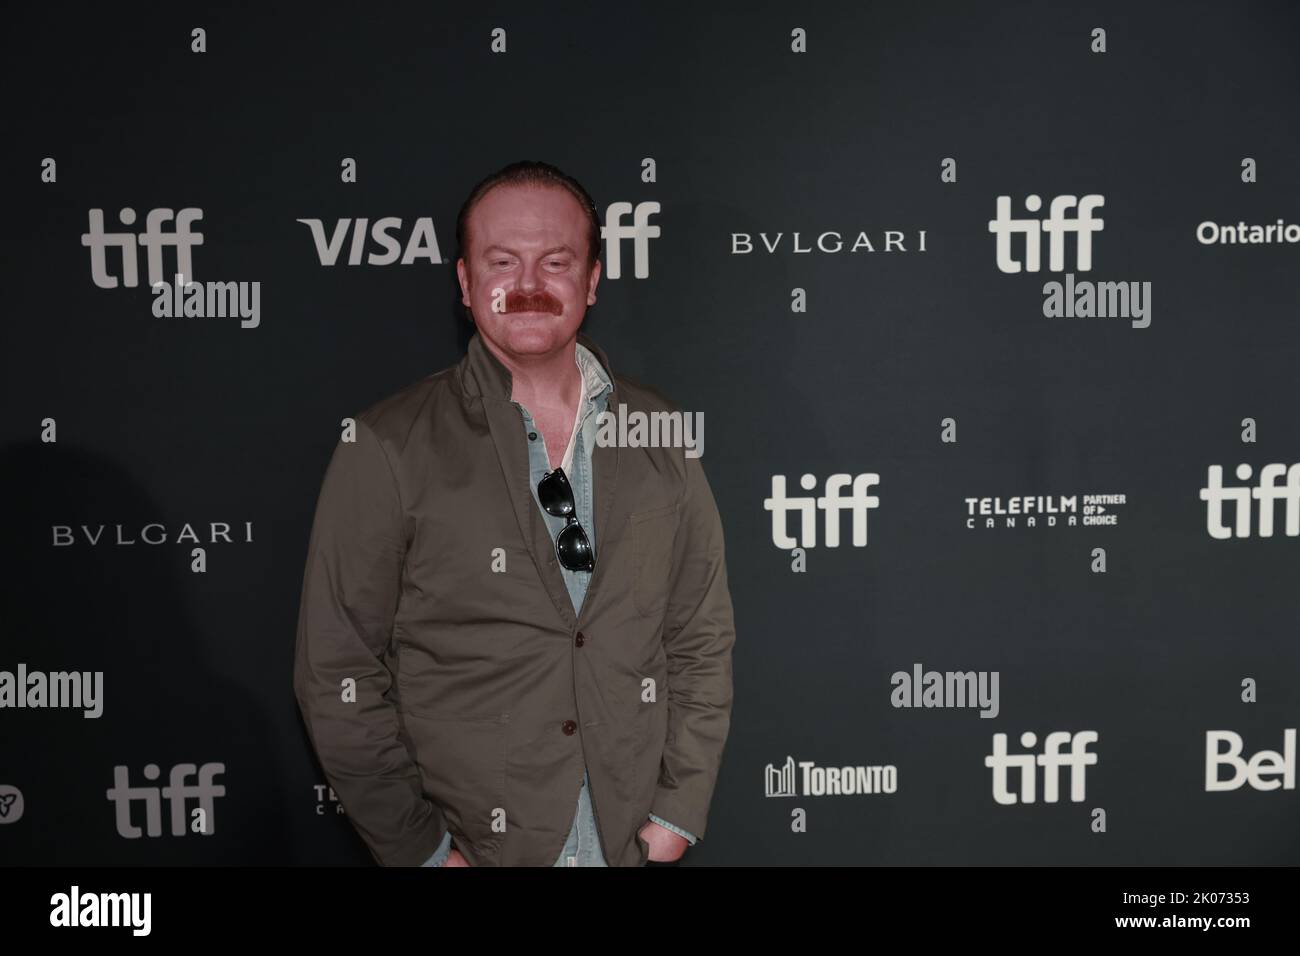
583, 846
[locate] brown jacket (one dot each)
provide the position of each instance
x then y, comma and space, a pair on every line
478, 694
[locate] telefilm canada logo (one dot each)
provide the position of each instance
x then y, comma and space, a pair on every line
812, 780
168, 229
1082, 298
327, 801
1033, 511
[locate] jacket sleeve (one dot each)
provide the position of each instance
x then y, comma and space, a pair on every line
350, 592
690, 837
699, 631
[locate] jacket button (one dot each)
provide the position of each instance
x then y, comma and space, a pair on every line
580, 640
532, 436
569, 727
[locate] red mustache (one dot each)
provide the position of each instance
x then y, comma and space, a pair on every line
536, 302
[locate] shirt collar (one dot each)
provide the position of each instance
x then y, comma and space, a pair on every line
481, 373
593, 375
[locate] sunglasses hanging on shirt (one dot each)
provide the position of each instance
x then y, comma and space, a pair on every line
571, 545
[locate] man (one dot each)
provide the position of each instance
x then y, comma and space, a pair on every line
514, 644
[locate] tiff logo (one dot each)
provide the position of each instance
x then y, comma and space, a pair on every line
1266, 492
640, 232
1056, 225
1051, 760
832, 503
122, 794
154, 238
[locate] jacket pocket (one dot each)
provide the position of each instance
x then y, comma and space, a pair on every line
653, 533
462, 760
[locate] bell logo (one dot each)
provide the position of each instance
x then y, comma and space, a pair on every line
1266, 763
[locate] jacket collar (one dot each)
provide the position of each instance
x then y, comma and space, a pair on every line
482, 374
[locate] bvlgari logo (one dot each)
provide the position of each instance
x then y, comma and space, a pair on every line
830, 242
65, 535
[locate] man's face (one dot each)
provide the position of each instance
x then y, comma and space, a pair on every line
525, 279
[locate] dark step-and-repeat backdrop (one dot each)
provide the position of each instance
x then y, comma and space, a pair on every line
992, 312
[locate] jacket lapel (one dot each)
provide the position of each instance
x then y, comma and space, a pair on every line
504, 421
604, 478
483, 376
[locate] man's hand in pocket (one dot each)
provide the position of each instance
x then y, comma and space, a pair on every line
665, 845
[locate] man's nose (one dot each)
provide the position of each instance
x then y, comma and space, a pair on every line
530, 276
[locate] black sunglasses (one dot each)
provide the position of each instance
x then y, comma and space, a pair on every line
571, 544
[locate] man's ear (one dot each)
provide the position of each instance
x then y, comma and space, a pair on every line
464, 280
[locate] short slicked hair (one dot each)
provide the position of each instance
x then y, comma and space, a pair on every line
531, 173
